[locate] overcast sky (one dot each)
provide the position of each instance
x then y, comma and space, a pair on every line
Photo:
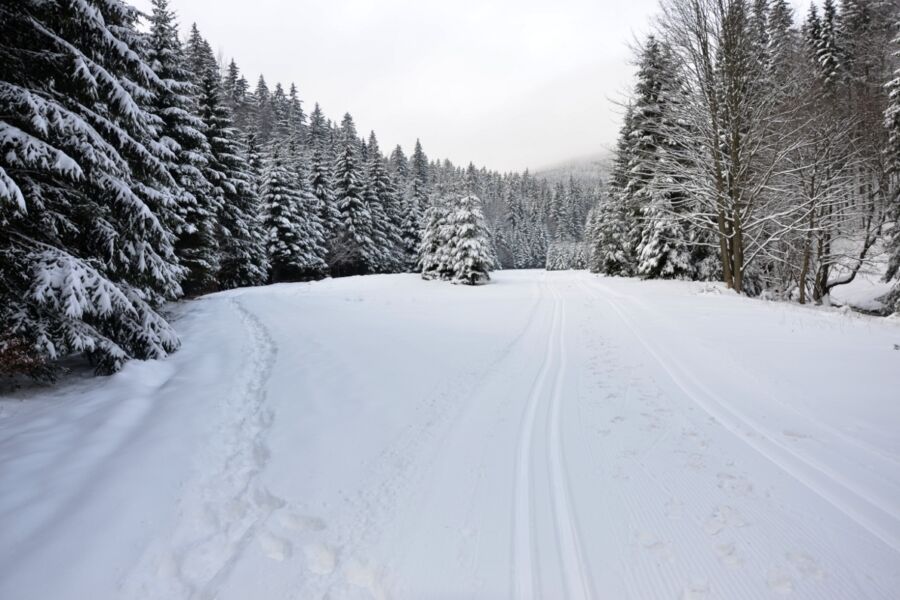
507, 84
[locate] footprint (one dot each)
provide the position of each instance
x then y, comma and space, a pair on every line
728, 555
696, 590
695, 462
725, 516
275, 547
734, 484
674, 509
365, 575
301, 523
320, 558
780, 581
662, 550
806, 565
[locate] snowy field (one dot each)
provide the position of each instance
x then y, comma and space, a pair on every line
551, 435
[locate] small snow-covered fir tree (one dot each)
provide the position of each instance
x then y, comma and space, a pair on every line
469, 250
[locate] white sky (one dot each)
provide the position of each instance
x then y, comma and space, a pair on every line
507, 84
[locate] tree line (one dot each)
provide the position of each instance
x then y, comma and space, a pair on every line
135, 170
757, 150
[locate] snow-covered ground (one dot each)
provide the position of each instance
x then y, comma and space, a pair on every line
548, 435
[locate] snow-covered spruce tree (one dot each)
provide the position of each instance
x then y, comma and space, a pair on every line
434, 250
239, 232
663, 250
262, 113
468, 240
399, 165
380, 196
236, 95
892, 124
183, 132
415, 202
309, 222
353, 250
611, 245
829, 55
294, 254
86, 251
321, 161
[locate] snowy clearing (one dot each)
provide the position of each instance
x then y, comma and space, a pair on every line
548, 435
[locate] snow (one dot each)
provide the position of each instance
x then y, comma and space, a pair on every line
547, 435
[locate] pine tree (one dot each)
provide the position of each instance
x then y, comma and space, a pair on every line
469, 251
892, 124
399, 165
663, 252
263, 113
415, 203
381, 199
434, 260
828, 53
662, 249
610, 242
321, 181
782, 43
354, 250
86, 202
241, 240
295, 251
183, 132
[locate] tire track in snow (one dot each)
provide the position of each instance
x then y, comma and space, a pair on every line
871, 516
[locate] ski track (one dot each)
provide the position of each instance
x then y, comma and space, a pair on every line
528, 581
525, 578
396, 470
684, 547
601, 418
576, 574
818, 478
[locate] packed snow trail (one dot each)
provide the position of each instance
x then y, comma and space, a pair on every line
550, 435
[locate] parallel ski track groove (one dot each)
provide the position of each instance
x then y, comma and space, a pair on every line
575, 572
727, 416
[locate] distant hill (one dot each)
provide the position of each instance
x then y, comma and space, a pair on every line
590, 170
